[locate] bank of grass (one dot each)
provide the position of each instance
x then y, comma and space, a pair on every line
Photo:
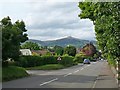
47, 67
13, 72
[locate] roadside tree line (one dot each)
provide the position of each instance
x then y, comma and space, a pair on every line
105, 16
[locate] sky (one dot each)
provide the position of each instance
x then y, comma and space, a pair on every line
49, 20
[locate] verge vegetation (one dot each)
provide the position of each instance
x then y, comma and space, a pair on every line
13, 72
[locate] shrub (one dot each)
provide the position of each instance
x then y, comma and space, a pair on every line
31, 61
78, 59
67, 60
49, 59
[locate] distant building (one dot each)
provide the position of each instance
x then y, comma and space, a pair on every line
78, 50
89, 49
42, 52
25, 52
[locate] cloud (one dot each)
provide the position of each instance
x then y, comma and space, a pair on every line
47, 20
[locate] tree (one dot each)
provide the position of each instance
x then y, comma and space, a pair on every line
70, 50
106, 20
31, 46
59, 50
12, 36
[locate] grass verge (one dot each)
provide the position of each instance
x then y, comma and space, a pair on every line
47, 67
13, 72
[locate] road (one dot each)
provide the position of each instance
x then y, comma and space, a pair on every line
94, 75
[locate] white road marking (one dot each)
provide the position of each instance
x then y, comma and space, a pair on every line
88, 65
76, 71
67, 74
81, 68
48, 82
95, 83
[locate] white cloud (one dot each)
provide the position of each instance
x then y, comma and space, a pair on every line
50, 20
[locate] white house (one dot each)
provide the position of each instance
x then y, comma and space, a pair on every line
25, 52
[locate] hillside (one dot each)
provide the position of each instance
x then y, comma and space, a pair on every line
63, 42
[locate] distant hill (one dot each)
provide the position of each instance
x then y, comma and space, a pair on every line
63, 42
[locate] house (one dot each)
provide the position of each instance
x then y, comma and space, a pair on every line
25, 52
89, 49
42, 52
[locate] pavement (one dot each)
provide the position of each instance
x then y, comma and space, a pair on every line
95, 75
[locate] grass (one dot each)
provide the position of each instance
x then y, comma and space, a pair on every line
47, 67
13, 72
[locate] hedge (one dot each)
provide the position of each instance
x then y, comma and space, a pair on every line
31, 61
78, 58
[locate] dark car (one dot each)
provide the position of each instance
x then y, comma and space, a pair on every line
86, 61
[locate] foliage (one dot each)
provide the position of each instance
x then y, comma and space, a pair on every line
78, 58
35, 54
67, 60
31, 61
70, 50
59, 50
13, 72
47, 67
12, 36
97, 55
31, 46
105, 17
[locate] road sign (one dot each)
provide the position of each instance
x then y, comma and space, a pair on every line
59, 58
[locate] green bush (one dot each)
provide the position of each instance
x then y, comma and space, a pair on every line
31, 61
13, 72
78, 58
67, 60
111, 60
49, 59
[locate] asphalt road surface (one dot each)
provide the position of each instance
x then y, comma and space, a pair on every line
94, 75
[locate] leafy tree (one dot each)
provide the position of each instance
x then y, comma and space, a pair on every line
70, 50
12, 36
59, 50
106, 20
31, 46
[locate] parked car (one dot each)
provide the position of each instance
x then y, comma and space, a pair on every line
86, 61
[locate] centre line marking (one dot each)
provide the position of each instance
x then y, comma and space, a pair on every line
48, 82
82, 68
67, 74
76, 71
88, 65
95, 83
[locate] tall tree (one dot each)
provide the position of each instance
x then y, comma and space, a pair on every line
12, 36
106, 20
70, 50
59, 50
31, 46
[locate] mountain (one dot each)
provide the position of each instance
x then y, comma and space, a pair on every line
63, 42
